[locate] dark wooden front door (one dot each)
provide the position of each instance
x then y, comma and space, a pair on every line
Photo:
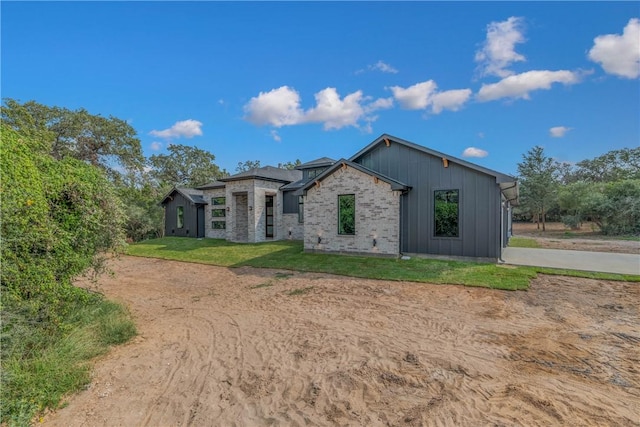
269, 215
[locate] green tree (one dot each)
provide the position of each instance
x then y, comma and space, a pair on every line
184, 166
247, 165
106, 142
539, 182
612, 166
290, 165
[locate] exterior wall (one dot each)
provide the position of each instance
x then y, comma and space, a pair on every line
171, 217
377, 215
208, 218
479, 233
290, 223
246, 220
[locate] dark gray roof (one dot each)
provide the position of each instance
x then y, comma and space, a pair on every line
317, 163
191, 194
500, 177
214, 184
267, 173
294, 185
395, 185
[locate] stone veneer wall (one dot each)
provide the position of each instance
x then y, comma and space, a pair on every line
208, 218
377, 215
290, 223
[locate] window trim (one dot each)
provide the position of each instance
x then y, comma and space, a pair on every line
459, 216
179, 216
218, 228
300, 209
354, 215
213, 201
223, 210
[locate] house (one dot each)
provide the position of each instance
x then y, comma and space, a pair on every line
184, 212
392, 197
396, 197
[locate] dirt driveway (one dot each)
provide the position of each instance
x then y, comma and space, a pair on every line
250, 347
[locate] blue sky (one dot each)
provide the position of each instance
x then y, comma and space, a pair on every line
282, 81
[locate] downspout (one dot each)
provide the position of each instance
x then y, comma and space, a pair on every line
500, 260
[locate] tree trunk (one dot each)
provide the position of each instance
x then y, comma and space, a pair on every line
543, 220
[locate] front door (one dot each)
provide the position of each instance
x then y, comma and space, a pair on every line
269, 215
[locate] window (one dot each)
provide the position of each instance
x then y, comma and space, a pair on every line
300, 209
180, 217
218, 225
217, 213
347, 214
219, 201
447, 209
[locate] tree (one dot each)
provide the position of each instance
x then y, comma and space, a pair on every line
539, 182
248, 165
184, 166
290, 165
612, 166
105, 142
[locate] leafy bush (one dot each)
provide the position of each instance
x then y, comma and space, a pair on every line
60, 219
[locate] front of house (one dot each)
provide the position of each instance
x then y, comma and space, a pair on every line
393, 197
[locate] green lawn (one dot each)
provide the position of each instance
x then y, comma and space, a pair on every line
523, 242
288, 255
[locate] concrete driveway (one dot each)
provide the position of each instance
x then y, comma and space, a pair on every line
605, 262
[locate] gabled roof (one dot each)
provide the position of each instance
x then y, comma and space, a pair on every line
295, 185
266, 173
211, 185
191, 194
317, 163
500, 177
395, 185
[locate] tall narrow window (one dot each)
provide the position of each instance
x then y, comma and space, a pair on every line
447, 213
180, 217
300, 208
347, 214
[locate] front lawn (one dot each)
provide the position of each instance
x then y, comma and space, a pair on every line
289, 255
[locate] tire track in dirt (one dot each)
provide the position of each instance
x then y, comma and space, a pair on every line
235, 347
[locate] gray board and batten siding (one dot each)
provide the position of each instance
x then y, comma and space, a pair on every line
193, 215
424, 171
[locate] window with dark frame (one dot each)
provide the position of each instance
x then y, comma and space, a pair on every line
347, 214
217, 201
219, 225
300, 208
180, 217
217, 213
446, 219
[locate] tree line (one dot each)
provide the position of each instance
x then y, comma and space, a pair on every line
604, 190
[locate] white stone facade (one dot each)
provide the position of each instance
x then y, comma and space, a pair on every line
377, 214
208, 216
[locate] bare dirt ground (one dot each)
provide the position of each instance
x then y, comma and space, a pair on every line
557, 236
251, 347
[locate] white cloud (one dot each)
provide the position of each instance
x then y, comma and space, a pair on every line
275, 136
278, 107
186, 128
422, 95
559, 131
619, 54
450, 100
474, 152
281, 107
155, 146
414, 97
384, 67
498, 51
519, 85
333, 112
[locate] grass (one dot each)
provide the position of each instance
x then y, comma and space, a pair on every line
39, 369
300, 291
289, 255
522, 242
